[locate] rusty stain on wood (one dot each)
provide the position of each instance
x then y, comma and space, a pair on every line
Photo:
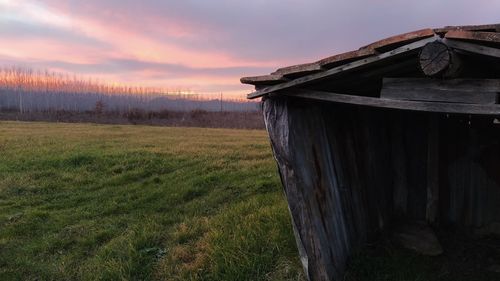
343, 58
474, 36
484, 27
298, 70
399, 40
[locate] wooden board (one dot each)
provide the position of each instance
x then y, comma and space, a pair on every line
471, 91
399, 40
432, 95
272, 79
472, 85
459, 108
356, 65
474, 36
298, 70
473, 48
343, 58
484, 27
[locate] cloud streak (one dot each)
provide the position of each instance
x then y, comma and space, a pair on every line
208, 45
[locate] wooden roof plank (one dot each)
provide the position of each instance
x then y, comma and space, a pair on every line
474, 36
483, 27
473, 48
440, 107
358, 64
298, 70
271, 79
366, 51
399, 40
339, 59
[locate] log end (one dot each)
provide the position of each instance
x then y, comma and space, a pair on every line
438, 60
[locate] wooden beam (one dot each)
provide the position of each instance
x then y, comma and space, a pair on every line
474, 36
356, 65
438, 60
477, 92
473, 48
458, 108
298, 70
272, 79
471, 85
398, 40
484, 27
343, 58
456, 96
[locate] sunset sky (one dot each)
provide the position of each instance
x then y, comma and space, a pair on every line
205, 46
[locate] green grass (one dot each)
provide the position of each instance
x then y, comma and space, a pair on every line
101, 202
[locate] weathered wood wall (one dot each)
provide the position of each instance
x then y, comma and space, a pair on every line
470, 172
349, 171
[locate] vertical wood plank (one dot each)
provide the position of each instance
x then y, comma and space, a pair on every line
399, 165
338, 197
433, 170
347, 171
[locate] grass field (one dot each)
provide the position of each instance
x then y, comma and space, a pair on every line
103, 202
107, 202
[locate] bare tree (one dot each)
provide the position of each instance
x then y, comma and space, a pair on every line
26, 90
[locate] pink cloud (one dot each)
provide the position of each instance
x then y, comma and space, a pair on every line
208, 45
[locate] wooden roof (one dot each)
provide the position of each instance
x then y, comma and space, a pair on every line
378, 56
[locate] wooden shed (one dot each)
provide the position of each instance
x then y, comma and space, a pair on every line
403, 129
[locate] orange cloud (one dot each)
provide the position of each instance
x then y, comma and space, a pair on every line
123, 41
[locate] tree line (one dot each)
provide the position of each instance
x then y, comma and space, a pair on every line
25, 90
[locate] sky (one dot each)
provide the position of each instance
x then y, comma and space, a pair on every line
205, 46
